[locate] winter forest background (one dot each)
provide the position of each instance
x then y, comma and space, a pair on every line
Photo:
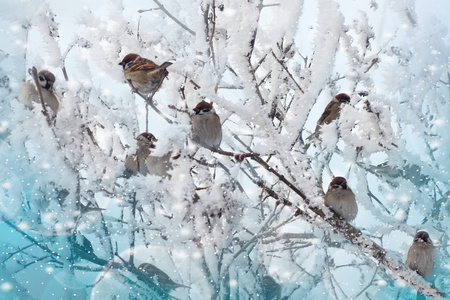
216, 224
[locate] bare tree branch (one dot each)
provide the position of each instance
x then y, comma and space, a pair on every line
172, 17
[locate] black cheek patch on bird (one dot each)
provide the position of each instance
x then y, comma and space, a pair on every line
206, 110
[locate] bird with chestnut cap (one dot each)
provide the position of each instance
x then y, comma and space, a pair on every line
206, 127
341, 199
420, 256
28, 93
143, 74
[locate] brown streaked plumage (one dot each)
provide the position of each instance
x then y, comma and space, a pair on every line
331, 112
143, 74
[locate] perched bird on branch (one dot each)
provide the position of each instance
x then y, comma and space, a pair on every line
143, 74
29, 94
421, 254
143, 162
341, 199
160, 278
136, 163
206, 127
160, 165
331, 112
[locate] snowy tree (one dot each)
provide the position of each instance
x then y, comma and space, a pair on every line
246, 221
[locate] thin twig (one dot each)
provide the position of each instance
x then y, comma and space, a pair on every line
368, 285
350, 232
149, 101
133, 234
146, 116
252, 72
212, 19
287, 71
173, 18
34, 74
66, 77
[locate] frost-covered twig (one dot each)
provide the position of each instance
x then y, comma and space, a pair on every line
172, 17
368, 284
54, 255
149, 100
287, 71
133, 231
146, 116
350, 232
329, 274
372, 196
289, 236
261, 234
252, 72
209, 277
212, 19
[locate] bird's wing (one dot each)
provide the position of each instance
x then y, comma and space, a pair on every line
143, 64
326, 113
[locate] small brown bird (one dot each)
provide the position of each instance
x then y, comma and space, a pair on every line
143, 74
272, 289
144, 163
421, 254
136, 163
331, 112
160, 278
160, 165
206, 127
341, 199
29, 94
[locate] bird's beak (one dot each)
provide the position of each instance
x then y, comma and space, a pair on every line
121, 63
196, 110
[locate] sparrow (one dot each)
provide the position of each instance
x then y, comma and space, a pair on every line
136, 163
160, 278
160, 165
341, 199
272, 289
206, 128
143, 74
421, 254
144, 163
331, 112
29, 94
